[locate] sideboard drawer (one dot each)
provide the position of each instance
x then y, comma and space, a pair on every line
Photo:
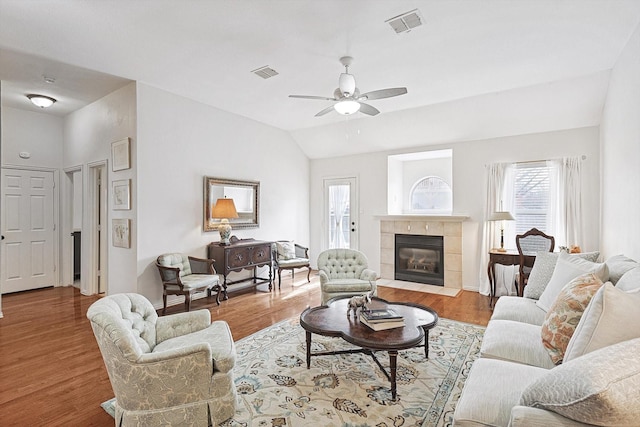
261, 254
238, 258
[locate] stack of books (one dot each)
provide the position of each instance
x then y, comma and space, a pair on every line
381, 319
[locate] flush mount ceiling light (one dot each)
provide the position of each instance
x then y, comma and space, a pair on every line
347, 106
41, 101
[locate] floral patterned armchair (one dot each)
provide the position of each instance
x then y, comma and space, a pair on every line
170, 370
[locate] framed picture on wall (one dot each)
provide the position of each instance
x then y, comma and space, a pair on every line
122, 194
121, 233
120, 155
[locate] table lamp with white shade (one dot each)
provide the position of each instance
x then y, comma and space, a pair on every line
501, 216
223, 210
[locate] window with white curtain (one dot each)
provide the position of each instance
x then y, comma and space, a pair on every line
531, 196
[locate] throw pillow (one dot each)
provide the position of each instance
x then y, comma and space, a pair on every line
286, 250
612, 316
568, 268
630, 281
543, 268
618, 265
565, 313
598, 388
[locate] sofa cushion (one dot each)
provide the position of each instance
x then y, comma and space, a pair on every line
599, 388
293, 262
543, 268
217, 335
618, 265
515, 342
518, 309
565, 313
568, 268
286, 250
612, 316
630, 280
491, 390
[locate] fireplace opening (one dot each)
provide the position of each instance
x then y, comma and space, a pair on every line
419, 259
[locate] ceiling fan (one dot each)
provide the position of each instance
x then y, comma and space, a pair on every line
348, 99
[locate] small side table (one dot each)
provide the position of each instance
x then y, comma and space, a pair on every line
502, 258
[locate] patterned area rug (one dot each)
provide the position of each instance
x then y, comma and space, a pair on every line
276, 389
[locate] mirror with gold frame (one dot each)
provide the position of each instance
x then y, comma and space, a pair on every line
245, 195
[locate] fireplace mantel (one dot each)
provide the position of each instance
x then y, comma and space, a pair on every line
441, 218
448, 226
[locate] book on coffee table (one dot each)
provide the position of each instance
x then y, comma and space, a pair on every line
381, 326
380, 315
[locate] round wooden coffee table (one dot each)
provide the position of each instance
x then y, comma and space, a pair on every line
331, 320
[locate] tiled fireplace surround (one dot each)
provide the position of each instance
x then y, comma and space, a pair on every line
450, 227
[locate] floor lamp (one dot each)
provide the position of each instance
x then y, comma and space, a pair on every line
501, 216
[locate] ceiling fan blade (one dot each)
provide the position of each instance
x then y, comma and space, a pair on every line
325, 111
324, 98
383, 93
368, 109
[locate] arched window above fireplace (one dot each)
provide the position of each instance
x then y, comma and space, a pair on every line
431, 195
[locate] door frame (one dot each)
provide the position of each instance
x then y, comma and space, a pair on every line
56, 215
67, 222
88, 275
354, 210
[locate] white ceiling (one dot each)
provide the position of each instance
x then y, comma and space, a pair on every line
475, 69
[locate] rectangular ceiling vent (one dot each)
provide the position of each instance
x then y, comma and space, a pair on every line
405, 22
265, 72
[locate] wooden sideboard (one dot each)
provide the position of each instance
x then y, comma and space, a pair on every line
242, 254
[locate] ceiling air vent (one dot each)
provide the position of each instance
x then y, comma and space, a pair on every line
405, 22
265, 72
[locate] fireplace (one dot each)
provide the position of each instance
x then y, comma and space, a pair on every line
419, 258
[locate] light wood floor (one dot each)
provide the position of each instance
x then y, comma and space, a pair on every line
52, 373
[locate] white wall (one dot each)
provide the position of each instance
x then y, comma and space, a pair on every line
36, 133
179, 142
88, 134
469, 160
620, 136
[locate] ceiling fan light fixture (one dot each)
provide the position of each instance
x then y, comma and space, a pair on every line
347, 106
347, 84
41, 101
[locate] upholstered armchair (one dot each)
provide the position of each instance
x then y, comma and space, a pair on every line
344, 272
169, 370
289, 256
186, 275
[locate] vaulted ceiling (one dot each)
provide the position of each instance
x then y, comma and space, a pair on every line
474, 69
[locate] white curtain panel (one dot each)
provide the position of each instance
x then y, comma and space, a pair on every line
565, 187
495, 185
339, 199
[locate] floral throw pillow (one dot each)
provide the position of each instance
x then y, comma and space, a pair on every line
565, 313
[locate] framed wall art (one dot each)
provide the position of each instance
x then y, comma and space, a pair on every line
120, 155
122, 194
121, 233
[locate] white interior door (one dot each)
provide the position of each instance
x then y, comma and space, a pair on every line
341, 213
28, 230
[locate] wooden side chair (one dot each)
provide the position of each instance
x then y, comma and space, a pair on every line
528, 244
186, 275
289, 256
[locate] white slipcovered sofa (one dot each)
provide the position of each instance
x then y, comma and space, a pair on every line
595, 380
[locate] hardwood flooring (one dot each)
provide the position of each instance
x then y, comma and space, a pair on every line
51, 370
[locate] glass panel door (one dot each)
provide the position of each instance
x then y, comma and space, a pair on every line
341, 213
